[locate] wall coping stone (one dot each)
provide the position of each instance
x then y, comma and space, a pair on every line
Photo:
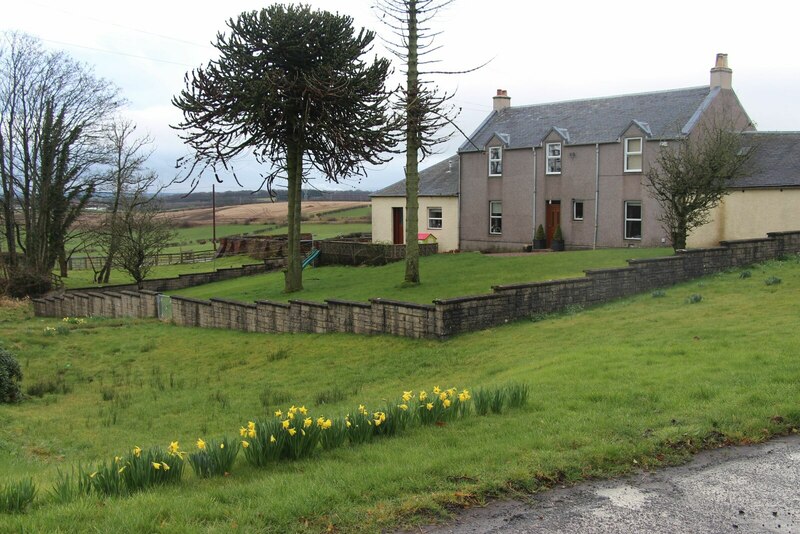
414, 305
349, 303
273, 303
311, 303
543, 283
231, 301
190, 299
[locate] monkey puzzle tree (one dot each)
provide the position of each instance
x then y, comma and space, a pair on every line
291, 87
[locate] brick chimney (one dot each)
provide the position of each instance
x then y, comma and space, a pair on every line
721, 75
501, 101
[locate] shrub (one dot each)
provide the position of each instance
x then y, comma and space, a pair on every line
15, 497
694, 298
214, 458
658, 293
772, 281
745, 274
10, 377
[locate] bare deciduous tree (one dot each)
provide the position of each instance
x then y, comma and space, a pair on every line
689, 179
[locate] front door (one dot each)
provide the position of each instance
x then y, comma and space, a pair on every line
397, 226
553, 219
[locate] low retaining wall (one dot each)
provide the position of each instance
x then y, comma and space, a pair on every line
349, 252
444, 317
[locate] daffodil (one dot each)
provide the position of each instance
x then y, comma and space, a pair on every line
348, 423
403, 407
362, 410
303, 410
278, 413
221, 445
307, 422
156, 465
245, 444
93, 475
442, 396
422, 396
242, 431
173, 448
121, 469
327, 424
446, 403
436, 390
320, 421
293, 409
292, 431
272, 439
137, 451
201, 444
285, 423
407, 395
429, 406
117, 459
165, 466
251, 433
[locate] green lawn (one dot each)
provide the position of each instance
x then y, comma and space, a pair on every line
443, 276
83, 278
634, 383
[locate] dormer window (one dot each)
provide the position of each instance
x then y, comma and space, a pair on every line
495, 161
553, 158
633, 154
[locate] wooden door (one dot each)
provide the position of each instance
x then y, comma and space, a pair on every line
397, 226
553, 219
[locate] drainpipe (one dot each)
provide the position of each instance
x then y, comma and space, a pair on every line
534, 194
596, 193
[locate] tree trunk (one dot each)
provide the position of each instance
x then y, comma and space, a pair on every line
294, 263
413, 118
679, 235
62, 263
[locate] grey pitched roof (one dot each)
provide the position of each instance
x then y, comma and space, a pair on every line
438, 180
667, 115
775, 163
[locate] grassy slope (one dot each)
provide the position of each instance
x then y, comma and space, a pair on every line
443, 276
84, 278
612, 388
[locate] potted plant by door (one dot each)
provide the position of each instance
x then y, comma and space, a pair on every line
558, 239
539, 239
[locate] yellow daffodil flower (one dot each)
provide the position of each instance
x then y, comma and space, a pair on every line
303, 410
320, 421
292, 431
201, 444
137, 451
251, 425
251, 434
156, 465
165, 466
327, 424
403, 407
242, 431
307, 422
436, 390
429, 406
278, 413
173, 447
285, 423
422, 396
377, 422
348, 423
117, 459
442, 396
272, 439
221, 445
93, 475
293, 409
407, 395
245, 444
446, 403
121, 469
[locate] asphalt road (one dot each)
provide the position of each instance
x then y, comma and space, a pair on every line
735, 489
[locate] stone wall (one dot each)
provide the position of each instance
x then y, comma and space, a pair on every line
351, 252
444, 317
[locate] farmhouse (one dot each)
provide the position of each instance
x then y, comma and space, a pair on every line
582, 165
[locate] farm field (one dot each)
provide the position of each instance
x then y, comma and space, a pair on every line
637, 383
443, 276
257, 213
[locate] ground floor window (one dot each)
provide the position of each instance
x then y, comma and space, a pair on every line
633, 219
495, 217
434, 218
577, 210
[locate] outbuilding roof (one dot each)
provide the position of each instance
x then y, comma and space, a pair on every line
775, 163
662, 115
438, 180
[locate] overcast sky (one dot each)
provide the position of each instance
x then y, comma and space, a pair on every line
540, 51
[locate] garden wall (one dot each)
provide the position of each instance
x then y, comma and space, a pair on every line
351, 252
444, 317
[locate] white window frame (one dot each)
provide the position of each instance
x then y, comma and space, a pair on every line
432, 218
627, 219
492, 217
496, 156
549, 158
575, 212
629, 153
